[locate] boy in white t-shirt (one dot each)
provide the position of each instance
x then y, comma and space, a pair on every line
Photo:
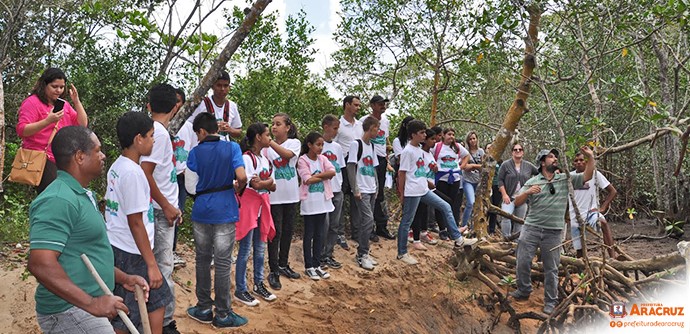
334, 152
413, 188
361, 172
129, 221
161, 175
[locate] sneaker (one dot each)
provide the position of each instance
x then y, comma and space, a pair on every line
419, 246
428, 239
200, 315
518, 296
410, 236
171, 328
331, 263
462, 242
548, 309
434, 229
373, 260
384, 233
364, 262
311, 273
374, 238
342, 242
178, 261
407, 259
288, 272
322, 273
231, 320
274, 280
463, 229
246, 298
261, 291
443, 235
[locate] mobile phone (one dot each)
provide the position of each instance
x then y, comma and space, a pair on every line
58, 105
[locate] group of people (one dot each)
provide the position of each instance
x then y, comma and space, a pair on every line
247, 192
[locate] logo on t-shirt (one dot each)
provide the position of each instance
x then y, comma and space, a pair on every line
421, 170
264, 174
333, 159
179, 153
283, 169
149, 213
380, 138
111, 207
316, 187
368, 168
449, 162
431, 174
173, 174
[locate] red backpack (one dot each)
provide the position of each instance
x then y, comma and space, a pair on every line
210, 109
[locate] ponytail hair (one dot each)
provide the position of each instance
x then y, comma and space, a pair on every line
402, 132
253, 130
311, 138
292, 132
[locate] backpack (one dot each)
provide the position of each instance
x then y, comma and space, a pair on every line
360, 145
210, 109
439, 145
255, 162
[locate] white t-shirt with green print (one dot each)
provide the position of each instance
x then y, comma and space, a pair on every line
128, 193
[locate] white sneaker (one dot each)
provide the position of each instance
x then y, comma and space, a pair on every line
407, 259
311, 273
322, 273
178, 261
427, 238
364, 262
410, 236
462, 242
373, 260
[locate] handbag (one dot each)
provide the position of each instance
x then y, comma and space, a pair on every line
28, 165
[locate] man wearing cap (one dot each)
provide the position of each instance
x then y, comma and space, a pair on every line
378, 107
547, 197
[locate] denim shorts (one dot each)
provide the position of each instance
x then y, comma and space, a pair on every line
133, 264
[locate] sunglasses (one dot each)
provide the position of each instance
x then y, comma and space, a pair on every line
517, 150
552, 190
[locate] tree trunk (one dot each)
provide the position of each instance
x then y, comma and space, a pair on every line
2, 131
434, 96
210, 77
510, 123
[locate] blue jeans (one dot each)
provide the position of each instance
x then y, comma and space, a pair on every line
469, 189
214, 241
315, 227
73, 320
410, 205
163, 252
251, 241
508, 227
532, 237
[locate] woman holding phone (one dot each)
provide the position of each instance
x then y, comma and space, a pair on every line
44, 112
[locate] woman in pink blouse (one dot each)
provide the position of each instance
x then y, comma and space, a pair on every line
37, 119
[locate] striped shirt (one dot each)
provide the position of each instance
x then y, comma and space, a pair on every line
547, 210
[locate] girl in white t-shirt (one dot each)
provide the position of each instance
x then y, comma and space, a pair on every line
255, 226
316, 194
448, 155
419, 232
283, 154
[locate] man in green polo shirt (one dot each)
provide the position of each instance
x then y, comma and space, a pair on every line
547, 193
65, 223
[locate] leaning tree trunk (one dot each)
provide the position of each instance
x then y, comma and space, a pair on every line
510, 123
2, 131
212, 74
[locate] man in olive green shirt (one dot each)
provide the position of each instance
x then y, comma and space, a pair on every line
65, 223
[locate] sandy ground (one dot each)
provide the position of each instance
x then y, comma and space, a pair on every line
394, 298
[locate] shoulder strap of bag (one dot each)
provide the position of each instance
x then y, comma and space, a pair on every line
226, 111
437, 150
359, 149
52, 135
209, 105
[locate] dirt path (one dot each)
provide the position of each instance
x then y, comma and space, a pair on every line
394, 298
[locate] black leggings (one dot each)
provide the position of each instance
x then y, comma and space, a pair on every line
49, 175
449, 193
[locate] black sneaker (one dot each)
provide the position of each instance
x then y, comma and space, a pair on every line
443, 235
246, 298
204, 316
274, 280
342, 242
434, 229
261, 291
384, 233
518, 296
374, 238
171, 328
288, 272
231, 320
331, 263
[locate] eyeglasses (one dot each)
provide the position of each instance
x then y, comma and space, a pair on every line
517, 150
552, 190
